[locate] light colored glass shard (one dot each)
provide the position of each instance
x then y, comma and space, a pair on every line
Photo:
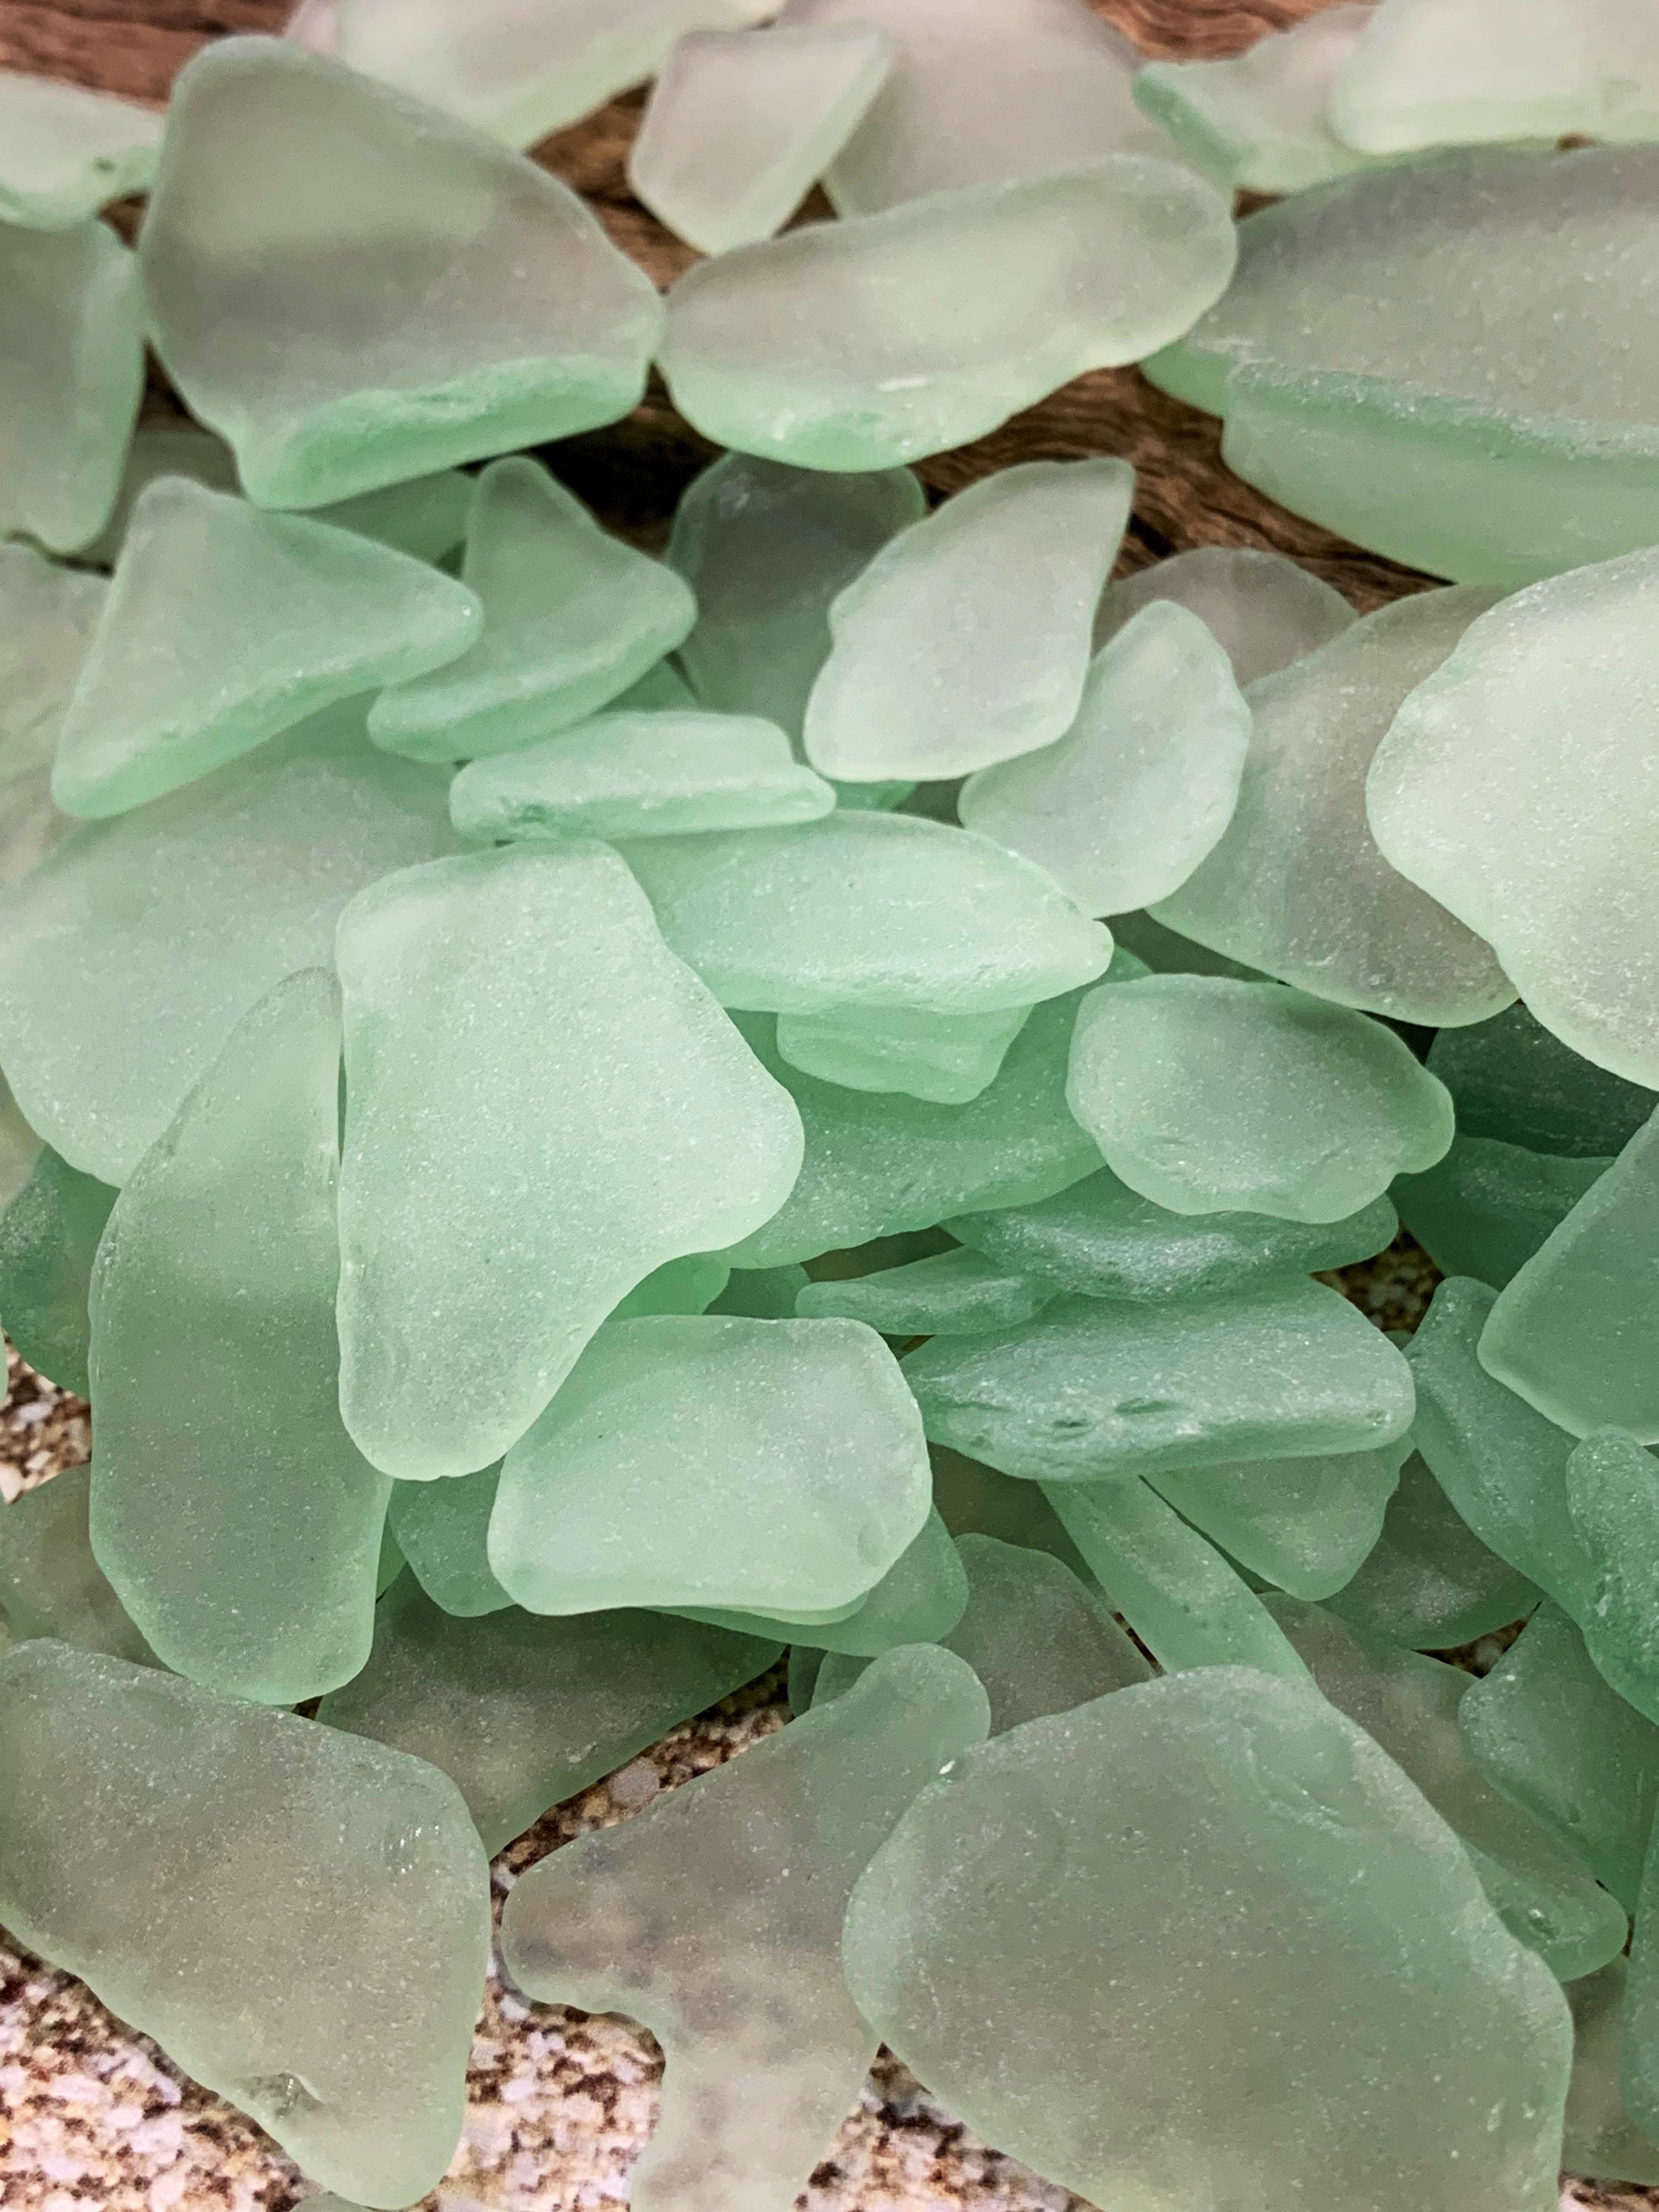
1305, 1525
1487, 1207
761, 1293
1612, 1494
65, 152
572, 617
1297, 886
47, 614
1601, 2141
948, 1294
860, 344
354, 289
1143, 784
740, 124
1429, 1583
686, 1285
1264, 611
966, 640
1512, 1079
50, 1583
48, 1235
948, 1058
440, 1528
1038, 1638
977, 1501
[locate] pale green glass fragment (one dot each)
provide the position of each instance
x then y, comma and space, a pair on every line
662, 686
947, 1058
763, 1293
46, 616
176, 681
1429, 1583
1612, 1494
1305, 1525
128, 954
919, 1599
354, 289
1165, 1948
966, 640
50, 1583
300, 1918
1210, 1096
571, 616
233, 1514
740, 124
1601, 2140
1511, 1079
65, 152
1263, 610
522, 1713
766, 2051
949, 1294
1163, 952
48, 1235
1297, 885
773, 1466
973, 1500
860, 344
1487, 1207
441, 1528
1038, 1638
688, 1286
507, 1178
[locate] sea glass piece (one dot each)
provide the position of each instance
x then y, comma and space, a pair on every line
966, 639
48, 1236
1545, 1728
176, 681
773, 1466
129, 954
1612, 1494
1094, 1390
572, 617
1297, 885
1305, 1525
1487, 1207
50, 1583
418, 296
766, 2051
973, 1500
1601, 2140
810, 348
507, 1178
1510, 1078
1429, 1583
1105, 1241
65, 152
763, 1293
1135, 1864
740, 124
1263, 610
230, 1510
46, 616
521, 1713
1208, 1095
1039, 1639
688, 1286
948, 1058
639, 775
300, 1918
71, 375
442, 1529
950, 1294
919, 1599
1126, 805
880, 910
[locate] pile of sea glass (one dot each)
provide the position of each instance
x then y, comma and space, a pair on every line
586, 1115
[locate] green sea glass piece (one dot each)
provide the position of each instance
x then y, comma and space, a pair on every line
1136, 1865
765, 2049
773, 1467
300, 1918
1429, 1583
1039, 1640
1305, 1525
572, 617
230, 1510
966, 639
132, 951
71, 375
1486, 1208
919, 1599
507, 1178
1612, 1494
1208, 1095
1510, 1078
973, 1500
50, 1583
1262, 609
46, 616
442, 1529
418, 295
523, 1713
948, 1058
1601, 2140
1126, 805
48, 1236
740, 124
66, 152
689, 1286
176, 682
763, 1293
949, 1294
1297, 886
810, 348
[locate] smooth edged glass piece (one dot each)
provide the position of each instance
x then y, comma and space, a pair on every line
1305, 1525
46, 616
740, 124
300, 1918
1487, 1207
864, 909
49, 1235
860, 344
1173, 1940
977, 1501
442, 1529
1208, 1095
688, 1286
66, 152
50, 1583
966, 640
1612, 1494
571, 616
1601, 2141
129, 954
354, 289
654, 774
773, 1467
1297, 886
1038, 1638
948, 1294
1511, 1079
761, 1293
919, 1599
71, 376
948, 1058
1094, 1390
507, 1178
177, 681
1263, 610
1429, 1583
522, 1713
1126, 805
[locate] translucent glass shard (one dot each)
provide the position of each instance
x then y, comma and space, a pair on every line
1039, 1640
1511, 1079
1263, 610
442, 1529
1612, 1494
48, 1236
50, 1583
948, 1058
1601, 2140
1305, 1525
65, 152
948, 1294
46, 616
919, 1599
1429, 1583
1487, 1207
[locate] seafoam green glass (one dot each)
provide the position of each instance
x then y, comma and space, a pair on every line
47, 614
50, 1583
442, 1529
763, 1293
1601, 2140
974, 1500
1429, 1583
1262, 609
1065, 1937
1038, 1638
354, 289
1305, 1525
48, 1236
1612, 1494
947, 1294
919, 1599
689, 1286
65, 152
1487, 1207
948, 1058
1512, 1079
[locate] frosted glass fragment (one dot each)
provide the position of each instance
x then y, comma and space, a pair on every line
1136, 1864
860, 344
300, 1918
441, 1528
661, 686
919, 1599
740, 124
353, 290
977, 1501
1601, 2140
176, 680
507, 1178
50, 1583
966, 640
950, 1294
1429, 1583
1487, 1207
47, 614
1264, 611
1305, 1525
1164, 951
1039, 1639
763, 1293
1208, 1095
522, 1713
571, 616
48, 1236
1095, 1389
65, 152
1297, 885
766, 2051
689, 1286
1612, 1494
1510, 1078
947, 1058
